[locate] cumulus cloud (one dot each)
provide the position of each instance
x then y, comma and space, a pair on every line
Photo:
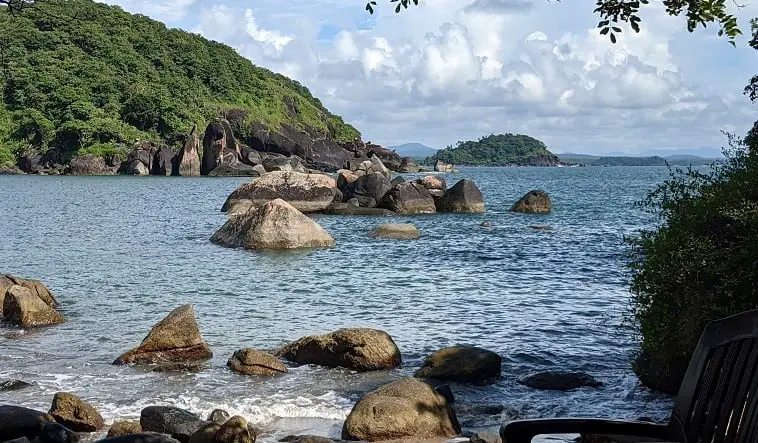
448, 71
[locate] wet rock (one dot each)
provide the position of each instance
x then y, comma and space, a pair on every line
119, 428
461, 364
186, 163
235, 430
432, 182
407, 408
464, 196
145, 437
409, 198
176, 338
219, 416
179, 366
207, 432
17, 422
361, 349
306, 192
306, 439
399, 231
486, 224
560, 381
446, 392
534, 202
176, 422
368, 189
542, 228
486, 437
89, 164
275, 225
36, 286
13, 385
252, 362
22, 307
352, 208
163, 161
70, 411
658, 373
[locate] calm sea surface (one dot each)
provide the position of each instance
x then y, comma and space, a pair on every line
121, 252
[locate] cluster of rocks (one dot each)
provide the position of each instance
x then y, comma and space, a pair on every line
27, 303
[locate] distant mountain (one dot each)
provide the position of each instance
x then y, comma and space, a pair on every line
633, 160
416, 150
498, 150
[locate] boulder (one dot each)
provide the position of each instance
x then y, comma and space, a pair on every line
361, 349
398, 231
306, 192
352, 208
70, 411
660, 372
176, 338
89, 164
404, 409
176, 422
277, 163
250, 157
464, 196
219, 148
207, 432
378, 166
146, 437
461, 364
368, 189
17, 422
22, 307
31, 162
187, 160
408, 165
306, 439
440, 166
432, 182
345, 177
389, 158
134, 167
534, 202
560, 380
251, 362
119, 428
236, 170
13, 385
235, 430
239, 207
274, 225
409, 198
218, 416
163, 161
317, 152
36, 286
397, 180
6, 169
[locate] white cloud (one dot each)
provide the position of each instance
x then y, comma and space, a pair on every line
451, 70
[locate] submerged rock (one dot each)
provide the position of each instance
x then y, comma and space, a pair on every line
306, 439
22, 307
407, 408
464, 196
305, 192
176, 338
252, 362
398, 231
361, 349
461, 364
119, 428
235, 430
560, 381
70, 411
275, 225
13, 385
534, 202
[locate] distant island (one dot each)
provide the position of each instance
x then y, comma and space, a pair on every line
498, 150
629, 160
413, 150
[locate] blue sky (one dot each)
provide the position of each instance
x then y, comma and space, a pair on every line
454, 70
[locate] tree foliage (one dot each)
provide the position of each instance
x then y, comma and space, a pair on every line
109, 78
493, 150
615, 13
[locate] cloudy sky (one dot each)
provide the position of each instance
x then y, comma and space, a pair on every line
452, 70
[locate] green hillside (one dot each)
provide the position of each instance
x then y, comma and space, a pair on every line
80, 76
498, 150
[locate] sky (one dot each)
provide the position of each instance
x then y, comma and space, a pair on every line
451, 70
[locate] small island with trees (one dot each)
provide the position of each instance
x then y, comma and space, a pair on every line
498, 150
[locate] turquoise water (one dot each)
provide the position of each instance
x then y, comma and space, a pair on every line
121, 252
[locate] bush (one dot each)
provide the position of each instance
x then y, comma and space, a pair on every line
699, 264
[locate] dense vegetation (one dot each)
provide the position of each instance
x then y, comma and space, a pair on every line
80, 76
494, 150
674, 160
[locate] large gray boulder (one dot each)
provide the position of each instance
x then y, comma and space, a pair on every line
409, 198
23, 307
361, 349
17, 422
89, 164
220, 149
461, 364
252, 362
464, 196
534, 202
70, 411
306, 192
176, 338
274, 225
176, 422
187, 160
36, 286
369, 189
404, 409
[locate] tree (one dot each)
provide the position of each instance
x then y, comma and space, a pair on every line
614, 13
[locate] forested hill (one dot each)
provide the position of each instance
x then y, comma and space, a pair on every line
83, 77
498, 150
